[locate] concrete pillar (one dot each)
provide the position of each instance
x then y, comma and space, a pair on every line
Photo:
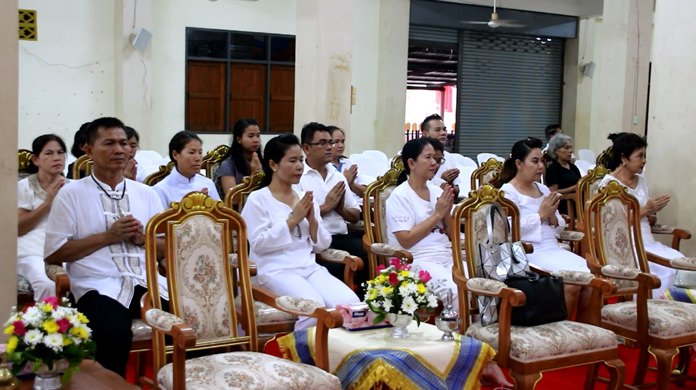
671, 142
9, 88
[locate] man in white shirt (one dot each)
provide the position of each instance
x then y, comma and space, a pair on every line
329, 186
96, 227
433, 127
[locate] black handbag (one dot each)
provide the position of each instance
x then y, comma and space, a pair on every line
545, 299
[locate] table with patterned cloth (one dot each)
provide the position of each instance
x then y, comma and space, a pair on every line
366, 358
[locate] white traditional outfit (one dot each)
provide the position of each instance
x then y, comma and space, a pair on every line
665, 274
108, 282
285, 257
343, 164
30, 256
548, 254
433, 253
175, 186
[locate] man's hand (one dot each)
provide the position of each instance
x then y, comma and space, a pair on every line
131, 169
124, 228
450, 175
335, 195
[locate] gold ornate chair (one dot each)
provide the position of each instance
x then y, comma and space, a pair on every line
25, 293
82, 167
374, 215
204, 315
604, 157
162, 172
526, 351
24, 163
486, 173
660, 327
237, 196
212, 159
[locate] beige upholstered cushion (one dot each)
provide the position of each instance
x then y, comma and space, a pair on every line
141, 330
543, 342
618, 244
666, 318
248, 370
267, 315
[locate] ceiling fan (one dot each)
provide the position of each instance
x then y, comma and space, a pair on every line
495, 21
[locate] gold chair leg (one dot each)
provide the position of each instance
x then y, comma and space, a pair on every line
525, 382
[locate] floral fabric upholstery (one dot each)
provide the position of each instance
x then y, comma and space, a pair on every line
23, 285
667, 319
248, 370
334, 255
479, 221
483, 285
488, 176
554, 340
162, 320
618, 245
688, 263
576, 277
141, 330
267, 315
571, 235
200, 277
382, 249
298, 305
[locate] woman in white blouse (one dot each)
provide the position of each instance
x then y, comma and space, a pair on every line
285, 231
626, 163
186, 150
35, 196
539, 217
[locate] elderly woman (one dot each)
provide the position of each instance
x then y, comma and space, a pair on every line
561, 175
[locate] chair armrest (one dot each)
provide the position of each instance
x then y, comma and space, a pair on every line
677, 233
528, 247
60, 277
580, 278
382, 249
182, 335
571, 235
630, 273
352, 263
685, 263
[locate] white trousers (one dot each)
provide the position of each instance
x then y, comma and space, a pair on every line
313, 282
33, 269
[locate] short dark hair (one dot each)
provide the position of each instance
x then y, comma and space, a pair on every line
79, 141
179, 140
424, 125
106, 122
131, 132
551, 130
309, 130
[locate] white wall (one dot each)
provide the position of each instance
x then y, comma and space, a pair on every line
671, 141
67, 76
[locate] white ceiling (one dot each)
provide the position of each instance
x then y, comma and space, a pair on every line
581, 8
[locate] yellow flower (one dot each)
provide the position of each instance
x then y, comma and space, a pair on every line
50, 326
12, 344
380, 279
47, 308
404, 273
421, 288
387, 291
9, 329
82, 318
66, 341
373, 294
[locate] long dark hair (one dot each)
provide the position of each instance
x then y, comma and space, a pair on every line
520, 151
623, 145
39, 144
79, 141
275, 150
412, 149
236, 152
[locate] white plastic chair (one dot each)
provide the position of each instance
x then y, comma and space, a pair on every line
369, 165
483, 157
465, 180
584, 166
587, 155
462, 161
377, 155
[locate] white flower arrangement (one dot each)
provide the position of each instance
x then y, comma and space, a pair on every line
47, 333
400, 290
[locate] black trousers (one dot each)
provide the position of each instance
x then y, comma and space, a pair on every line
111, 326
351, 243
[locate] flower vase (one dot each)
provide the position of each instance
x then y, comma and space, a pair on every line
400, 324
49, 379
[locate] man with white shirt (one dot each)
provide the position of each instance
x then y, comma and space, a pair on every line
337, 206
434, 127
96, 227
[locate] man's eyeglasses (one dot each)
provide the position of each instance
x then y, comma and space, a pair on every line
322, 143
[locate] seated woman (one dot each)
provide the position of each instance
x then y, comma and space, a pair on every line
186, 150
35, 196
626, 163
343, 165
244, 157
562, 175
540, 219
417, 214
284, 230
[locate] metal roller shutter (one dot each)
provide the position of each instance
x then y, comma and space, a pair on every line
509, 88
